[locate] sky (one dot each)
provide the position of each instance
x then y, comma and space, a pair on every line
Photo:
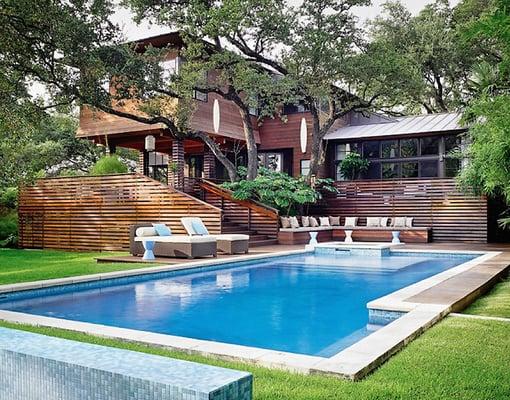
133, 31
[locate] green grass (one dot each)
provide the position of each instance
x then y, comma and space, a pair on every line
33, 265
495, 304
457, 359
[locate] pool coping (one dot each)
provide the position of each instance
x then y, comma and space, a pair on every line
354, 362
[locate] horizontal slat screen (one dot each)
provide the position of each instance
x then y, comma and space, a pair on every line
237, 213
95, 213
436, 203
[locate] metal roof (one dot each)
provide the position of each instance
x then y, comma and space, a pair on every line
429, 123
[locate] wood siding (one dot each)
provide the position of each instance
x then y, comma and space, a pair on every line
435, 203
276, 134
95, 213
98, 123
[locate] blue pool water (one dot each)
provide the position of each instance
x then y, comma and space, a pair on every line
309, 303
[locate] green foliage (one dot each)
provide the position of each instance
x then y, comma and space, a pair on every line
488, 170
9, 198
353, 165
44, 146
107, 165
279, 190
8, 228
432, 50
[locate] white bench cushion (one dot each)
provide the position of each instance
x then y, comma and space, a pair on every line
177, 239
307, 229
231, 237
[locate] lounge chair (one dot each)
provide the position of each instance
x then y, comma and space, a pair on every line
170, 246
227, 243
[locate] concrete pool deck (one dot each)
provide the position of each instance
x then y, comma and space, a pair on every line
425, 303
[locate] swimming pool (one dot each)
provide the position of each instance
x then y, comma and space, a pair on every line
310, 303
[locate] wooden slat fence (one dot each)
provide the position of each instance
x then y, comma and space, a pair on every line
94, 213
435, 203
251, 214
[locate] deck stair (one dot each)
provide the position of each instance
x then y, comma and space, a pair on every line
251, 218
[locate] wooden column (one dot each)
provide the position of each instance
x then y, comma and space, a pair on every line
209, 164
176, 165
140, 163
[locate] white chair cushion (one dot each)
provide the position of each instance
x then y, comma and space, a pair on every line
231, 237
177, 239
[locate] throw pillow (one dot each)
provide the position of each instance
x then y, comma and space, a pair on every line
305, 221
334, 221
324, 221
373, 222
409, 222
351, 221
285, 222
294, 223
313, 222
146, 232
162, 230
199, 228
399, 222
384, 221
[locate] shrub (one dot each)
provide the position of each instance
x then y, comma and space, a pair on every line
9, 229
108, 165
9, 198
279, 190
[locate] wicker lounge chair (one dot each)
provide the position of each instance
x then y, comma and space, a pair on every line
183, 246
227, 243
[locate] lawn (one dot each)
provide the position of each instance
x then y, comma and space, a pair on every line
495, 304
33, 265
459, 358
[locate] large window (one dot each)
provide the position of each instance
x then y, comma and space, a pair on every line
341, 151
300, 107
408, 148
305, 167
389, 149
429, 146
426, 157
272, 161
371, 149
157, 166
170, 68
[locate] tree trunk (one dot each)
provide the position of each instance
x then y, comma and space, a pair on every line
215, 148
317, 149
251, 145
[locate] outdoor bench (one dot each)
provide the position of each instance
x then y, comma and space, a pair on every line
301, 235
